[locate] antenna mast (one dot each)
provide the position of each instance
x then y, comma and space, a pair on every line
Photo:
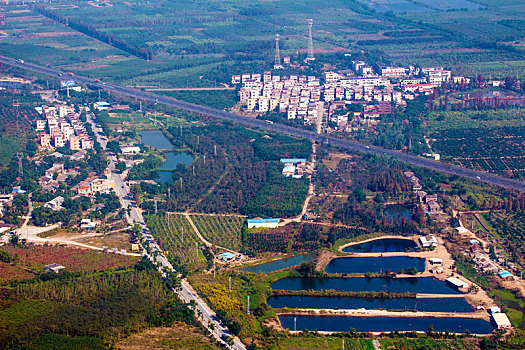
310, 56
277, 64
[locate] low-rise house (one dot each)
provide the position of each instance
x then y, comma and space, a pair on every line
56, 168
55, 204
54, 267
87, 224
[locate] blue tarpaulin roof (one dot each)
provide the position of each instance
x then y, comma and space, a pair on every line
227, 255
293, 160
504, 274
259, 221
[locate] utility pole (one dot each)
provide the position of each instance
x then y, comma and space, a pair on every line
215, 150
180, 183
198, 140
295, 324
155, 207
204, 159
229, 283
181, 131
182, 234
16, 103
20, 156
248, 305
169, 192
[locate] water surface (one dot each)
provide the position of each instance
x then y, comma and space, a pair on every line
279, 264
426, 285
385, 324
382, 245
155, 139
331, 302
374, 264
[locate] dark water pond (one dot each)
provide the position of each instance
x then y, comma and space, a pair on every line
397, 214
374, 264
382, 245
279, 264
329, 302
426, 285
156, 139
385, 324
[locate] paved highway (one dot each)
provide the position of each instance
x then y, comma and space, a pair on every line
344, 144
203, 312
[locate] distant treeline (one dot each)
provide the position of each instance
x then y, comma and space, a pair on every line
94, 32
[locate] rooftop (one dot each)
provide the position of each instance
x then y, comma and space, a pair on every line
255, 221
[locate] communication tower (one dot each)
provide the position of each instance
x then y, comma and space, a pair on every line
20, 155
310, 56
277, 64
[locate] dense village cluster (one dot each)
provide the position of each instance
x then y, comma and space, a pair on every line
373, 92
62, 127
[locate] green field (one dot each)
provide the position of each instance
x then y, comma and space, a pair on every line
177, 239
202, 43
221, 230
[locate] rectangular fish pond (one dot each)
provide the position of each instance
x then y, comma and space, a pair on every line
279, 264
337, 302
385, 324
374, 264
426, 285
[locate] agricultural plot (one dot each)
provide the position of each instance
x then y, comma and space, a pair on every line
25, 262
510, 228
177, 238
498, 150
186, 44
221, 230
15, 127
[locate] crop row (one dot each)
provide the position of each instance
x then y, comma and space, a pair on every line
176, 238
221, 230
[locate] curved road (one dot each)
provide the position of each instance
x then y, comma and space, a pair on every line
342, 143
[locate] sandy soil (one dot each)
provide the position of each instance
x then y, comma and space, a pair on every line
179, 336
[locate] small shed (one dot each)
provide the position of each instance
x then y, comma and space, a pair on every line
227, 256
456, 283
435, 261
501, 321
54, 267
505, 275
266, 223
494, 310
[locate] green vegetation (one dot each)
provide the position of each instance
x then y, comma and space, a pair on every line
178, 240
220, 230
219, 99
100, 307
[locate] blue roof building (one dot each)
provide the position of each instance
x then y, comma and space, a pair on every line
293, 160
505, 274
266, 223
226, 256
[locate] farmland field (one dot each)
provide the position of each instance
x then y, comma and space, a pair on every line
201, 43
221, 230
498, 150
177, 239
30, 260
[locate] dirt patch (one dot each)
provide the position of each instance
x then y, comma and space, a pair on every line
323, 260
178, 336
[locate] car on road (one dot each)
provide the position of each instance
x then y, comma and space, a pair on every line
477, 177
